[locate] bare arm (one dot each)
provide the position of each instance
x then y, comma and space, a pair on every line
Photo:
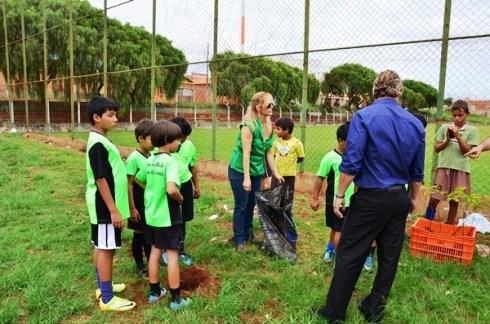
272, 164
475, 152
246, 149
315, 193
105, 193
174, 192
344, 182
195, 182
134, 212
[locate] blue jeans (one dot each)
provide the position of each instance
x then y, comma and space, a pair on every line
244, 206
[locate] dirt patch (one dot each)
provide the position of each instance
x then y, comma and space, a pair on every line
251, 318
78, 319
200, 281
273, 308
137, 292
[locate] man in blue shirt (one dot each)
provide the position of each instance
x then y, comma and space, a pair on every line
385, 151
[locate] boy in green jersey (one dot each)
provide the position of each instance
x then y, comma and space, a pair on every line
163, 211
135, 162
107, 200
329, 169
186, 157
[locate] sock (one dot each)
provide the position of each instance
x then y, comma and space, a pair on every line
155, 289
330, 247
430, 213
137, 249
106, 290
97, 280
175, 293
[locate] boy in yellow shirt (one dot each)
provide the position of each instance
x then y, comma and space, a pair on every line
288, 151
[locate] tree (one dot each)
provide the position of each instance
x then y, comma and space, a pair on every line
357, 81
412, 100
128, 48
427, 91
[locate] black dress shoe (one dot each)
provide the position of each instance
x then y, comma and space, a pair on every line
369, 316
320, 312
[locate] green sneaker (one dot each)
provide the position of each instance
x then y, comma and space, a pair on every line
116, 288
117, 304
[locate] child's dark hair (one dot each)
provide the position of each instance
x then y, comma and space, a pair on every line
99, 105
421, 117
164, 132
285, 123
183, 124
342, 131
143, 129
460, 104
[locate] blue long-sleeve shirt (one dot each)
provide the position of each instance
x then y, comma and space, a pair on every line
385, 146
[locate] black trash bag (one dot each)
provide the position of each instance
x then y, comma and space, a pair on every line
280, 236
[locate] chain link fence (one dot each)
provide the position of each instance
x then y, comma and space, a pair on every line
203, 60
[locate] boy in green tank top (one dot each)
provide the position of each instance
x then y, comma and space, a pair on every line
135, 162
107, 200
163, 212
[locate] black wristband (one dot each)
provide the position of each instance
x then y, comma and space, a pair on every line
339, 196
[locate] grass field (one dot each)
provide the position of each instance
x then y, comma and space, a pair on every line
319, 140
47, 276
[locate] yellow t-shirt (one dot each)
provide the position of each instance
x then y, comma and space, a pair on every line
286, 154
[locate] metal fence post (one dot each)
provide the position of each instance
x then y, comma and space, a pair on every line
7, 65
45, 61
153, 112
24, 63
70, 47
214, 81
304, 96
442, 77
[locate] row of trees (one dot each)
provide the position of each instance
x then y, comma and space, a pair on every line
356, 81
128, 48
240, 76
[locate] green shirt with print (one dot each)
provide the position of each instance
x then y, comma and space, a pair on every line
118, 172
330, 163
451, 157
161, 168
260, 147
186, 157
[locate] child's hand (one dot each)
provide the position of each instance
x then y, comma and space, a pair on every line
475, 152
135, 215
116, 219
279, 178
197, 192
453, 131
315, 204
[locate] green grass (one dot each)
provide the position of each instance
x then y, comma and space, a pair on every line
319, 140
47, 276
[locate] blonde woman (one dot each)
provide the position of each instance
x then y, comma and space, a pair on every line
247, 165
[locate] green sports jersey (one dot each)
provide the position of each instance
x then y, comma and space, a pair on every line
135, 162
186, 157
329, 168
116, 178
160, 169
260, 147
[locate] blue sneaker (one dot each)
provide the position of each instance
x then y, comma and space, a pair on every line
153, 299
369, 263
185, 259
179, 303
329, 256
164, 258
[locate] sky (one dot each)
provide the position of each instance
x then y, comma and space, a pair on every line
276, 26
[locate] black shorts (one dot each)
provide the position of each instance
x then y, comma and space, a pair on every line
331, 220
187, 192
166, 238
106, 236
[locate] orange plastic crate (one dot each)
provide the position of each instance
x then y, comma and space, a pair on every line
442, 242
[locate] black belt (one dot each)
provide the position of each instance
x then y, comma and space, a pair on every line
392, 188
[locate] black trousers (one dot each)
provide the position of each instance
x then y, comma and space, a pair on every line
373, 215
